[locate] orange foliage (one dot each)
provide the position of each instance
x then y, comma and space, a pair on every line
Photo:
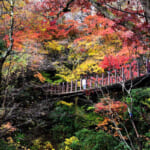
8, 127
113, 112
114, 106
39, 76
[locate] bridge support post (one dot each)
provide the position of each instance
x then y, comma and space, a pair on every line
147, 66
90, 84
108, 77
115, 75
123, 75
63, 86
80, 84
130, 71
138, 69
71, 86
55, 88
67, 88
100, 83
60, 86
111, 79
105, 81
50, 87
102, 78
96, 82
76, 85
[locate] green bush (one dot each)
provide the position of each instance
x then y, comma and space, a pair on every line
141, 107
86, 139
5, 146
67, 118
140, 115
92, 140
62, 120
2, 45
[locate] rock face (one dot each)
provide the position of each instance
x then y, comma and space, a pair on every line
47, 65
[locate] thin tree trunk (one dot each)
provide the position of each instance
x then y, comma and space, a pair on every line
1, 86
146, 7
0, 82
8, 51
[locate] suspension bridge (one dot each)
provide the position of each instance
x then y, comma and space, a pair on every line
125, 74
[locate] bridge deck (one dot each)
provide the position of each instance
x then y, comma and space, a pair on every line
125, 74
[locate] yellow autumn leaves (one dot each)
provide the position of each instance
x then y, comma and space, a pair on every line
53, 46
86, 51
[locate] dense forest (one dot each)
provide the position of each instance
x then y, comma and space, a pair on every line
74, 74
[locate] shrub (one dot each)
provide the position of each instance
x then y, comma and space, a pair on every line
5, 146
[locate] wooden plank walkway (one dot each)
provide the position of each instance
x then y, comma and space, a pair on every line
128, 72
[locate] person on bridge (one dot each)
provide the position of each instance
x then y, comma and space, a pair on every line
84, 83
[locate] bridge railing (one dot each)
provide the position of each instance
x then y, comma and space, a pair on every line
124, 73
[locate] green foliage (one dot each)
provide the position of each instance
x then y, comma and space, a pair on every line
68, 118
93, 140
121, 146
38, 144
71, 143
2, 48
72, 127
91, 108
146, 102
147, 142
2, 44
52, 78
15, 63
62, 119
47, 77
19, 137
58, 79
5, 146
139, 95
140, 113
141, 104
87, 119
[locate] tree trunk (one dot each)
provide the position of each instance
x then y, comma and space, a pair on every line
146, 7
1, 65
1, 86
